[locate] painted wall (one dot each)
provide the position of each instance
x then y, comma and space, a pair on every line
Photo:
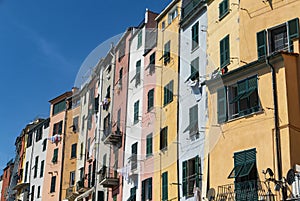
6, 180
191, 146
166, 160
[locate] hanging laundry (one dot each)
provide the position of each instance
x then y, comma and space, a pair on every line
55, 138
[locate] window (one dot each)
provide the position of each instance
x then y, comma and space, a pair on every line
29, 140
245, 174
242, 99
72, 178
106, 125
26, 171
39, 133
74, 150
136, 112
39, 192
42, 168
164, 186
132, 194
75, 127
59, 107
88, 148
191, 172
164, 138
152, 64
119, 121
193, 121
163, 25
57, 128
82, 122
195, 35
167, 55
138, 73
195, 69
223, 8
172, 15
32, 193
36, 163
224, 52
81, 150
44, 144
90, 175
140, 39
149, 145
47, 123
278, 38
147, 189
168, 93
120, 79
55, 155
133, 157
150, 99
52, 186
107, 92
121, 49
89, 120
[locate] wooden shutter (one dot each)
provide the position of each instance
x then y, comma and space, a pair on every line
171, 89
184, 180
261, 38
150, 188
197, 171
222, 109
165, 186
293, 27
143, 190
224, 52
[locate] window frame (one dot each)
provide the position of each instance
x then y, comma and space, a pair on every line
195, 36
149, 145
163, 145
136, 112
150, 102
168, 93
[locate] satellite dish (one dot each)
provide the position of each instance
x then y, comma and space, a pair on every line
290, 177
270, 172
211, 194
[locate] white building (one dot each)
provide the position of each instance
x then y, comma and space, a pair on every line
192, 97
35, 159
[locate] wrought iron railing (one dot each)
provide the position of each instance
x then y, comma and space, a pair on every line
243, 191
107, 173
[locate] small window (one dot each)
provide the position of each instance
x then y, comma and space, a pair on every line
26, 171
120, 82
134, 156
74, 151
224, 52
138, 73
149, 146
194, 67
163, 25
164, 177
59, 107
150, 99
29, 140
42, 168
136, 112
152, 64
53, 183
39, 192
147, 189
72, 178
223, 8
44, 144
172, 15
36, 163
167, 54
119, 121
140, 39
164, 138
168, 93
39, 133
55, 156
32, 193
57, 128
195, 35
75, 126
191, 175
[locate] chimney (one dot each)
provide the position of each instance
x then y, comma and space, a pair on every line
146, 16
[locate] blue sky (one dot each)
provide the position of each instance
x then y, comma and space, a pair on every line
42, 46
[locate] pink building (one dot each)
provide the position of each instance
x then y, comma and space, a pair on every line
54, 158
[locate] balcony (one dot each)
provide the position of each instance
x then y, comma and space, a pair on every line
191, 8
71, 194
244, 191
108, 177
80, 186
113, 137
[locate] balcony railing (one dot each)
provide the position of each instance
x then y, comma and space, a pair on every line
80, 186
113, 138
108, 177
243, 191
190, 7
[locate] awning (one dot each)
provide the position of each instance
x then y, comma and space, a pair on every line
21, 186
85, 194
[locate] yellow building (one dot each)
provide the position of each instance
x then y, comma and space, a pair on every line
70, 152
254, 105
165, 138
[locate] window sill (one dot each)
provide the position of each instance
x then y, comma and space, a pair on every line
149, 156
168, 103
260, 111
150, 109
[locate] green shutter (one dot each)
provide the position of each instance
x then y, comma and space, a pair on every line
55, 155
195, 66
252, 83
184, 180
242, 87
171, 88
224, 52
261, 38
167, 52
149, 145
223, 8
197, 171
293, 27
165, 186
222, 109
195, 35
150, 188
136, 112
143, 190
165, 95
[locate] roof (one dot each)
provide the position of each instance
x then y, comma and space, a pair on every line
167, 9
61, 97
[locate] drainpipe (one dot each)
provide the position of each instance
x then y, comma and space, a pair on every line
178, 89
63, 151
277, 129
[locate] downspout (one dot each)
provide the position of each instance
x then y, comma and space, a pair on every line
178, 88
277, 129
63, 153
